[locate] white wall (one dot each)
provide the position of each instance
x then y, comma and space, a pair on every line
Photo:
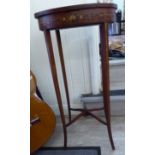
119, 4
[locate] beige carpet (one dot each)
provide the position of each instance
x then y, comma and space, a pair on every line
89, 132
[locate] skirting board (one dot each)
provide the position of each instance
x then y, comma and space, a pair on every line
117, 102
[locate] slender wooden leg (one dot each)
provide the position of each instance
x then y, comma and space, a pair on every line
105, 77
63, 71
55, 81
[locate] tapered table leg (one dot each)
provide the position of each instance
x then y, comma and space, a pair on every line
63, 71
55, 81
105, 77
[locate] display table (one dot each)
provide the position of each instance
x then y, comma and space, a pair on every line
74, 16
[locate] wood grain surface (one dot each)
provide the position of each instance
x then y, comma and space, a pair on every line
44, 128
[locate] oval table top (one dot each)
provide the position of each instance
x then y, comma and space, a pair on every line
76, 15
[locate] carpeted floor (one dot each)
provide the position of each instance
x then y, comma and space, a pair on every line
89, 132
